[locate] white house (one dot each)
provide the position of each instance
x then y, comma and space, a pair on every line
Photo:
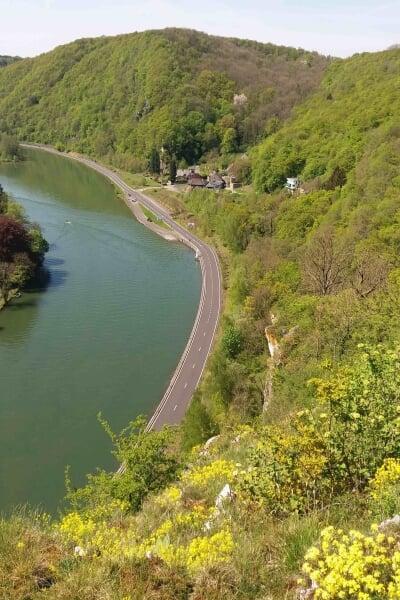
292, 183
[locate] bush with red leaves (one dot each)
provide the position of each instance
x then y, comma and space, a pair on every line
14, 239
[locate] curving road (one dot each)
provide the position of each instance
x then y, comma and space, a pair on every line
178, 395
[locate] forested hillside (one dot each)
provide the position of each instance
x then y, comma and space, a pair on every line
315, 272
284, 479
121, 97
7, 60
351, 121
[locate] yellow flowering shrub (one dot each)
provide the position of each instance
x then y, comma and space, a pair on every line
77, 528
384, 490
170, 496
94, 528
180, 540
354, 566
387, 475
333, 448
203, 475
284, 470
112, 541
194, 518
205, 551
186, 524
244, 431
200, 552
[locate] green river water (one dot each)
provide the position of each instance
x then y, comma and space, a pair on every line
103, 331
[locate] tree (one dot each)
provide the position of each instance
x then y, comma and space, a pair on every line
229, 141
369, 273
337, 322
154, 162
15, 274
338, 178
359, 416
38, 245
232, 341
32, 100
3, 200
9, 148
21, 251
149, 463
235, 228
197, 426
241, 170
172, 170
325, 263
14, 238
103, 143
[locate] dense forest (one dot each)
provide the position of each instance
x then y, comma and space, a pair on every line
7, 60
350, 122
190, 93
283, 480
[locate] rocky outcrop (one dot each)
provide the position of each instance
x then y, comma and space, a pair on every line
208, 444
276, 355
273, 345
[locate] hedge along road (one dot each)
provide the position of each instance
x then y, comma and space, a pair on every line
178, 395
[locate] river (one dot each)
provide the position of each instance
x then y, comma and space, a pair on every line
102, 332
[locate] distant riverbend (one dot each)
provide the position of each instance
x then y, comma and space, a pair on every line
103, 330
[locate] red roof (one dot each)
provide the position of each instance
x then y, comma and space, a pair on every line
197, 181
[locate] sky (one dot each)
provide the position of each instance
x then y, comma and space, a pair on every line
335, 27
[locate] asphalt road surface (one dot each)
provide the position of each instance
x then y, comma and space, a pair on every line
178, 395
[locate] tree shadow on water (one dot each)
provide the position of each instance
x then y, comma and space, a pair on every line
52, 262
20, 315
47, 276
25, 306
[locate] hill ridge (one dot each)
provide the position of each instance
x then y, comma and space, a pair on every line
118, 97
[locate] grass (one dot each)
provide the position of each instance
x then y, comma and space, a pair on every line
265, 564
153, 218
173, 200
138, 180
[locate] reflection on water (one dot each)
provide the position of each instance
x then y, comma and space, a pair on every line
101, 329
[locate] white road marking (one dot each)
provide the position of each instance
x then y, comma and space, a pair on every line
185, 386
194, 365
204, 334
200, 349
175, 407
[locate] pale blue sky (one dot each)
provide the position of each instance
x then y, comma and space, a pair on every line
338, 27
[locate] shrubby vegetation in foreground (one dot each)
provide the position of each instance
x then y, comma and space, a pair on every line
234, 519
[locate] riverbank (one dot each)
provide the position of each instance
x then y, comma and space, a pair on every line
13, 294
139, 213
